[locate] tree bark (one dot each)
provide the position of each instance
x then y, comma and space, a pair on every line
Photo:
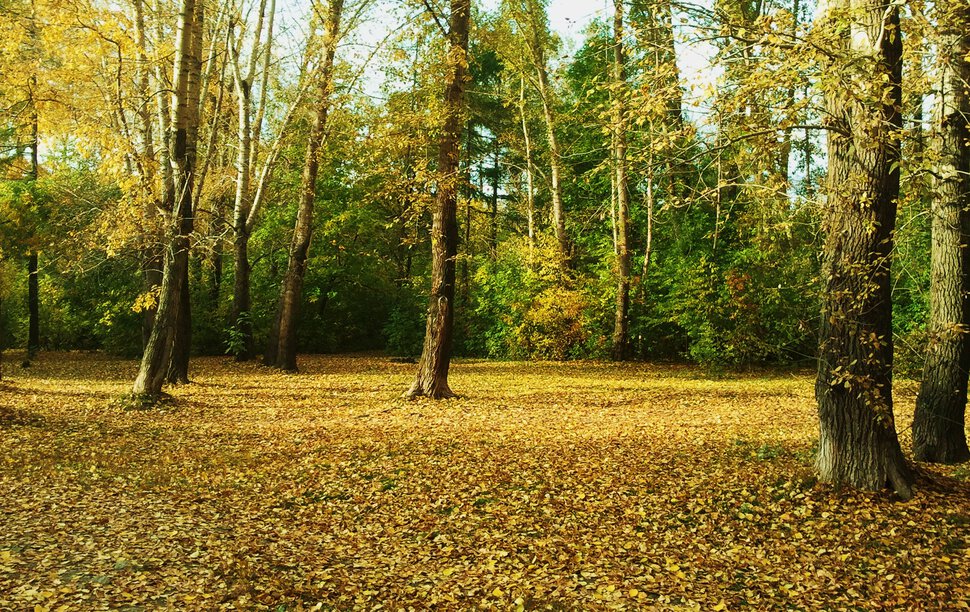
939, 433
537, 29
529, 186
432, 377
555, 164
247, 136
157, 356
33, 306
858, 445
33, 285
178, 371
281, 349
151, 262
621, 323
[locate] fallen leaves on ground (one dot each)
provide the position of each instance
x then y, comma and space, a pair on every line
546, 486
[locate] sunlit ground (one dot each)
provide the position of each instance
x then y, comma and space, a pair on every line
562, 486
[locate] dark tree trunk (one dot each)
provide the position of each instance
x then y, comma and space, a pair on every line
157, 357
241, 304
858, 445
493, 214
939, 433
178, 370
33, 286
281, 349
33, 305
621, 320
432, 377
151, 280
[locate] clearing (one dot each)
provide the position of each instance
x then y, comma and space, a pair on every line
548, 485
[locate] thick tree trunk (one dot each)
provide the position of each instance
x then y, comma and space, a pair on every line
161, 343
858, 445
621, 320
281, 350
432, 377
939, 433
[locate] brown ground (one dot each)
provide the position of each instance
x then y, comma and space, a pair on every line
563, 486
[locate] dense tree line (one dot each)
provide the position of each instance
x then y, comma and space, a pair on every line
469, 187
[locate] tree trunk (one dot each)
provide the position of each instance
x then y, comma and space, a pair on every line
33, 306
621, 322
939, 433
493, 213
158, 353
241, 305
432, 377
555, 163
858, 445
178, 371
240, 317
151, 253
281, 349
529, 187
33, 286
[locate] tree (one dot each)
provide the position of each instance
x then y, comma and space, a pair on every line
858, 445
621, 324
432, 376
938, 424
247, 203
532, 24
281, 348
159, 350
186, 161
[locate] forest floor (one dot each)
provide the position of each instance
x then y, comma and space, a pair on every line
547, 486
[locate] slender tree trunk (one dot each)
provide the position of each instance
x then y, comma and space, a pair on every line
281, 350
621, 323
178, 372
529, 186
555, 167
240, 295
939, 433
858, 445
33, 306
784, 153
493, 213
432, 376
159, 349
247, 138
648, 248
151, 263
33, 286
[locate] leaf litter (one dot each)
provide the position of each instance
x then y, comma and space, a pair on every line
546, 486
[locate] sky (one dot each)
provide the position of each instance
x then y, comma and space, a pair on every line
568, 19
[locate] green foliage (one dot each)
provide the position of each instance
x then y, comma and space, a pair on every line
404, 329
235, 338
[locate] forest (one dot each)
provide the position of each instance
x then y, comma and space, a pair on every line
693, 278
